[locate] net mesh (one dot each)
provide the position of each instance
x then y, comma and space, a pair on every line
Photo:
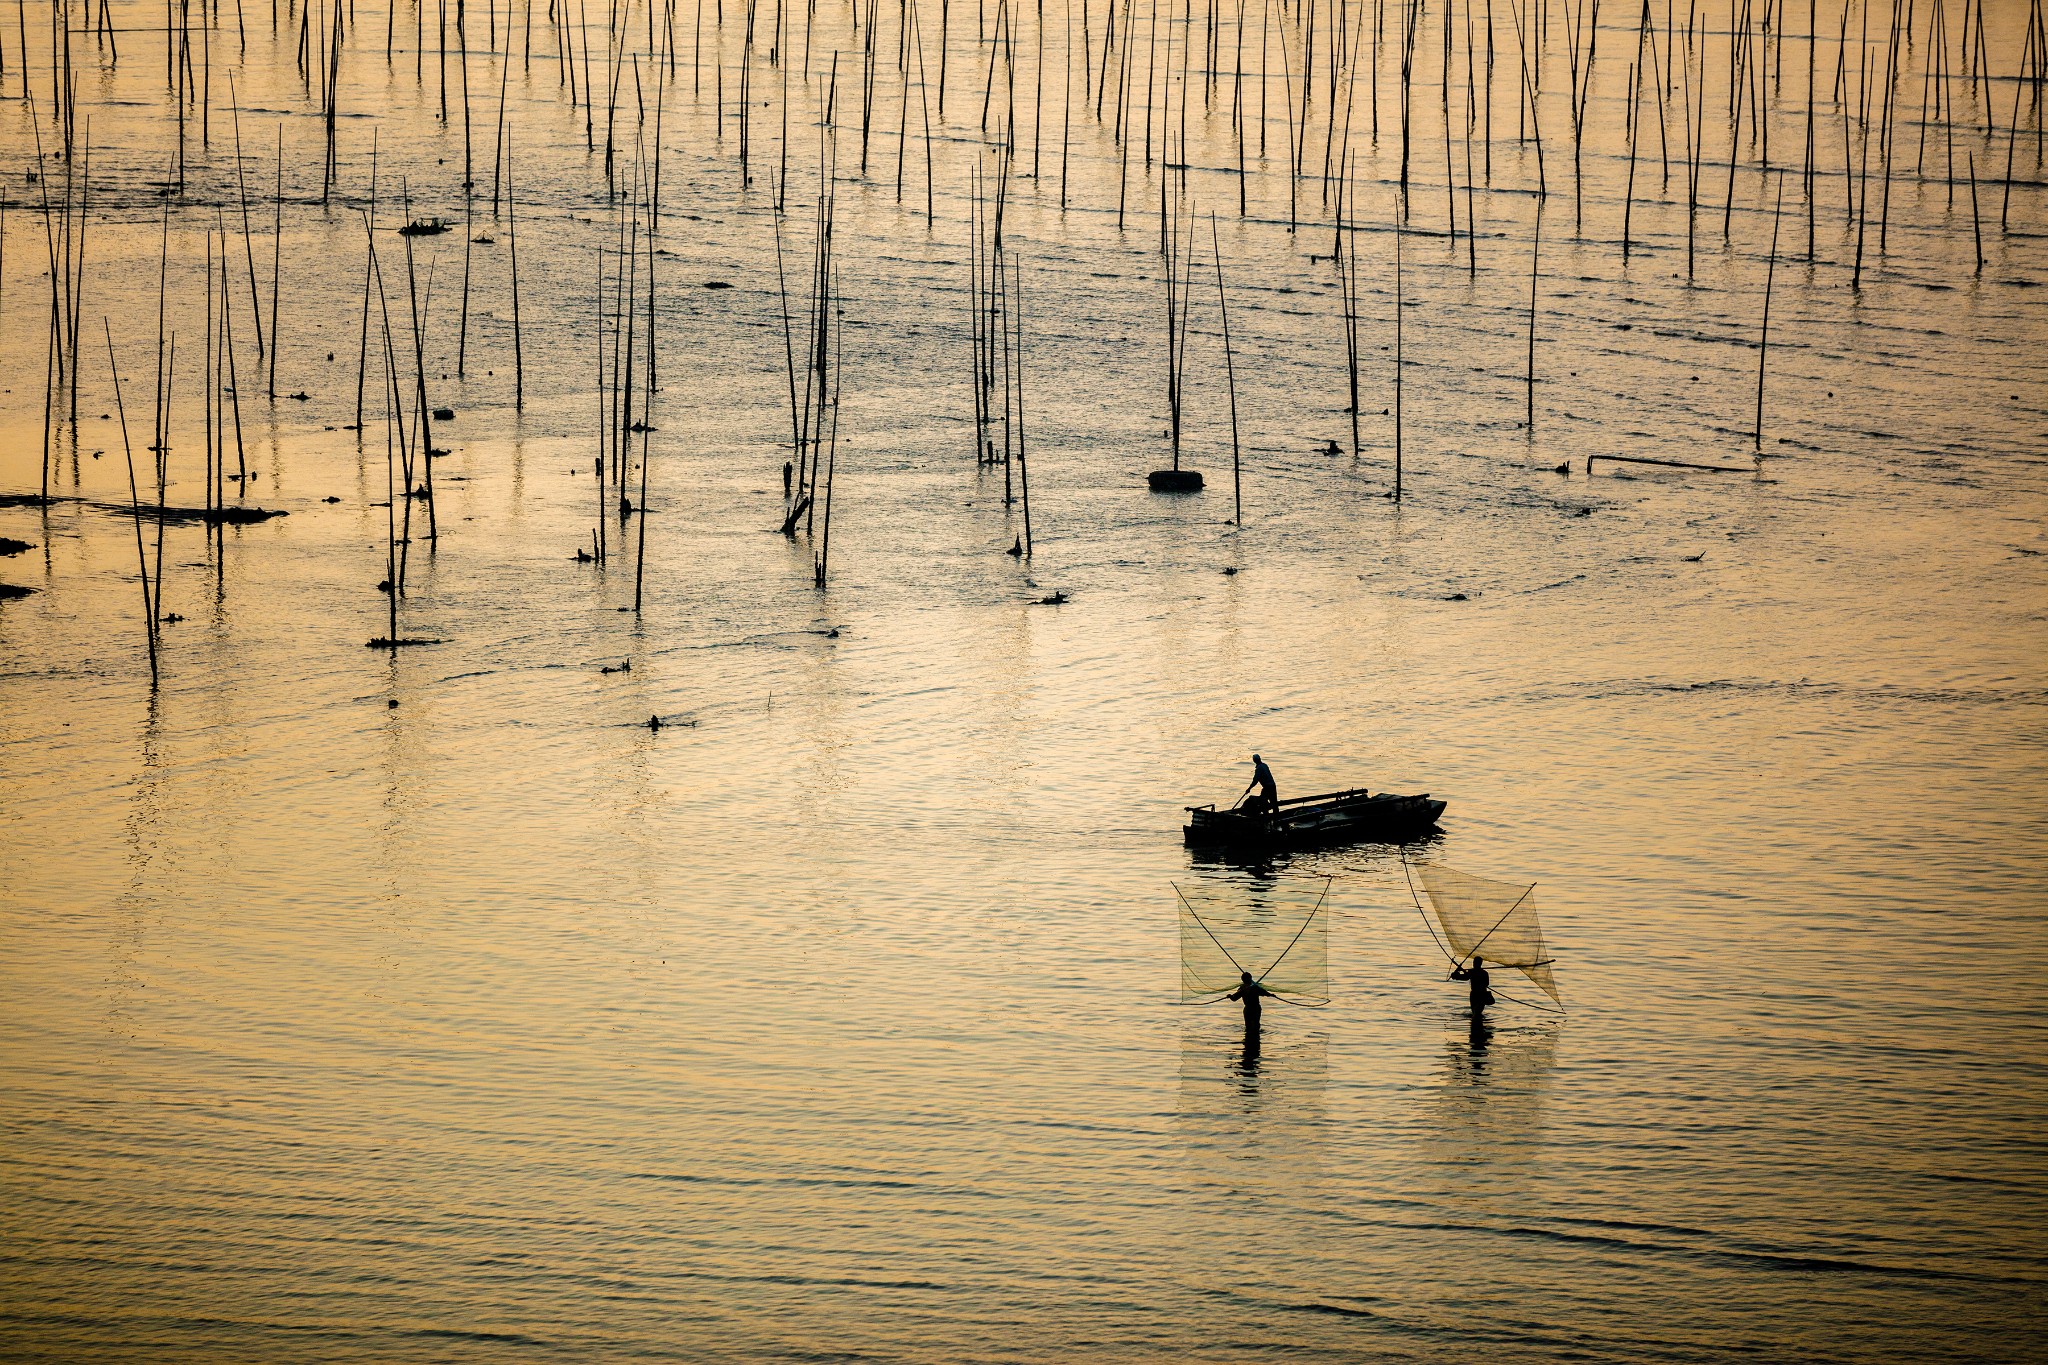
1276, 930
1495, 920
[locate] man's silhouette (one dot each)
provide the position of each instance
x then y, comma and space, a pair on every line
1481, 980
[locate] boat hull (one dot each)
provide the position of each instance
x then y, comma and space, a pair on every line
1333, 818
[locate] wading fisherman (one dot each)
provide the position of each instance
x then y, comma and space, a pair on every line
1249, 992
1480, 980
1269, 791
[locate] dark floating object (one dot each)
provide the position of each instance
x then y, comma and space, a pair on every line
300, 397
1332, 818
11, 546
1457, 597
1230, 571
585, 557
10, 592
172, 618
392, 704
381, 643
1667, 464
485, 241
1694, 559
444, 414
27, 499
1016, 550
186, 516
1331, 448
1565, 468
796, 514
330, 498
424, 227
642, 426
1175, 480
1058, 599
716, 284
626, 667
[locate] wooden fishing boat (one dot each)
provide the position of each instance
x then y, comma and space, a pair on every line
1331, 818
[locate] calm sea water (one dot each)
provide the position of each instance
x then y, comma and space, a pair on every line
429, 1006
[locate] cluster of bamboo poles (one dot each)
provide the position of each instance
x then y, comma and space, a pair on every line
1317, 77
808, 477
1139, 67
409, 450
1179, 277
996, 324
626, 311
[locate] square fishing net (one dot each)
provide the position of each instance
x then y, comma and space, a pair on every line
1494, 920
1275, 928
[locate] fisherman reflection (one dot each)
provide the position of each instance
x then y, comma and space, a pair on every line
1248, 1060
1478, 1037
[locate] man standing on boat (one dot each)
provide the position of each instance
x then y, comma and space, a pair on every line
1269, 790
1481, 980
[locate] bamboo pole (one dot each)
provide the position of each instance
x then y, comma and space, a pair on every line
1230, 378
1535, 257
1763, 339
1976, 225
1023, 467
149, 622
1399, 357
276, 267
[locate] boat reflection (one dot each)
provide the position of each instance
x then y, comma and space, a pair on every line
1272, 862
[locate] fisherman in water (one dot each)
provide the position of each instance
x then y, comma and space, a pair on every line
1249, 992
1480, 980
1268, 799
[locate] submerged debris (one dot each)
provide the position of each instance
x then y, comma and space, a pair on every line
189, 516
